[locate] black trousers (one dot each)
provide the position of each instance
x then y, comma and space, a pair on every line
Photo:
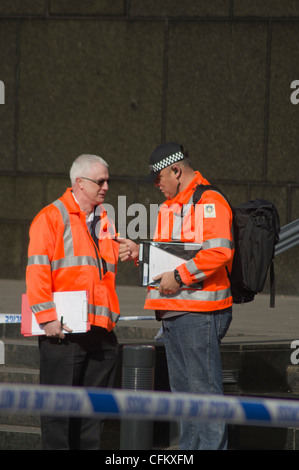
89, 360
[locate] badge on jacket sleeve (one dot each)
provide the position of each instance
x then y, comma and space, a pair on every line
209, 210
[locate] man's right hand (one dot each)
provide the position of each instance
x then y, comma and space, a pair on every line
128, 250
53, 329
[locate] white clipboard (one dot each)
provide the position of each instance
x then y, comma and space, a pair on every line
71, 307
157, 257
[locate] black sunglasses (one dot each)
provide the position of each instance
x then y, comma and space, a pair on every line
98, 182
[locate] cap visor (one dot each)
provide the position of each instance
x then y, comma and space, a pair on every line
151, 178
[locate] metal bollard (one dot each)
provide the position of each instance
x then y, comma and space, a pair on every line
137, 374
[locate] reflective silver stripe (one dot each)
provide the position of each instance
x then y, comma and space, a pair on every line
195, 295
73, 261
67, 234
178, 222
193, 269
111, 267
217, 243
79, 261
38, 259
70, 259
177, 226
42, 306
103, 312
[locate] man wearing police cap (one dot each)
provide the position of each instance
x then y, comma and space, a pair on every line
193, 301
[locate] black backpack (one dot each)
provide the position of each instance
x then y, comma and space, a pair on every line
256, 228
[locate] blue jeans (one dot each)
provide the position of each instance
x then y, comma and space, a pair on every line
192, 343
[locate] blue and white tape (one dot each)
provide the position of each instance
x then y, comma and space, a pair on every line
126, 404
10, 318
17, 317
134, 318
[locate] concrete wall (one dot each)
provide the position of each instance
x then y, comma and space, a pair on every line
118, 77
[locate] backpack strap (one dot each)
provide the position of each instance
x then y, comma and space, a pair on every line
201, 188
272, 285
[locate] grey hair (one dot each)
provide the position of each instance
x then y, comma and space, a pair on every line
82, 165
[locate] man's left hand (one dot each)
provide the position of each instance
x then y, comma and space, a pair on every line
168, 284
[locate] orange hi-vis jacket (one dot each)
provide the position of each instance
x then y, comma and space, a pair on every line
62, 256
206, 285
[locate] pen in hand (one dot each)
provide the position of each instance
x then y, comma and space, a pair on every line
64, 327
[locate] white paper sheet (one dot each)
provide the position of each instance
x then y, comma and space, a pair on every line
161, 261
72, 307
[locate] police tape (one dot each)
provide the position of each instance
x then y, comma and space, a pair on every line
10, 318
146, 405
134, 318
17, 318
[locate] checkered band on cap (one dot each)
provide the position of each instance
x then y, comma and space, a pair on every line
175, 157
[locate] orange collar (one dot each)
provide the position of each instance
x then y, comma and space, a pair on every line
184, 196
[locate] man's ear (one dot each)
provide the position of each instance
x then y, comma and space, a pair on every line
176, 170
79, 182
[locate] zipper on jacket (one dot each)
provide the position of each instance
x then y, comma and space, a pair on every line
96, 252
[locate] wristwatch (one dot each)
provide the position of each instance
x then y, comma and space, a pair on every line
177, 276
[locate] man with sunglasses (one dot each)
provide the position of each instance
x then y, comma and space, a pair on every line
73, 248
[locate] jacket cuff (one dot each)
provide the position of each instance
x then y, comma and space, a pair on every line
46, 316
185, 276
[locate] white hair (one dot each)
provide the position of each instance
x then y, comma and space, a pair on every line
83, 164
